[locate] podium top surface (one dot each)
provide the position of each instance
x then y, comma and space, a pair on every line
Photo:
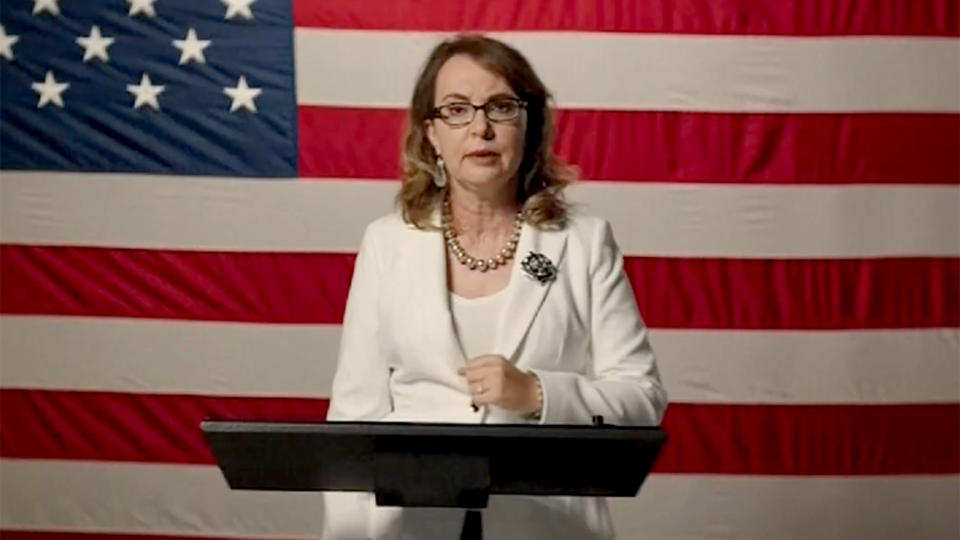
597, 460
412, 429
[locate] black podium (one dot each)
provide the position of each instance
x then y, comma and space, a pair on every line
445, 465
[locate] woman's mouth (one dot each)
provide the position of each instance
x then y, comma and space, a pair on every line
483, 155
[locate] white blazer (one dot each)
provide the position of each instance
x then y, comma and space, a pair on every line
580, 333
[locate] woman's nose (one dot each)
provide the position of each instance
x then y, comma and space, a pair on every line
481, 126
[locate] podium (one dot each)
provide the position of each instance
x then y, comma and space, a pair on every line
440, 465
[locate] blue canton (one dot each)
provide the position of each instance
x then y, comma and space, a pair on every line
196, 128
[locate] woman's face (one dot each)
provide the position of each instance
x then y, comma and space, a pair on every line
482, 155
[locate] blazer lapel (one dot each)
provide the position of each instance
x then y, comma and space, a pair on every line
526, 294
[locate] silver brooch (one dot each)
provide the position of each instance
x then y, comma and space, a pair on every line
539, 267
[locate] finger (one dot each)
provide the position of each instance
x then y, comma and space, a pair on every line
493, 395
484, 399
472, 364
488, 388
480, 372
475, 376
485, 360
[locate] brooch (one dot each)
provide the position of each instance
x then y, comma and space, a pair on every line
539, 267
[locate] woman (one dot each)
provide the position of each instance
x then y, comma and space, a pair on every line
484, 300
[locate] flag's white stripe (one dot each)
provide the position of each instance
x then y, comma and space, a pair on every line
763, 508
656, 72
147, 499
329, 215
194, 500
168, 356
687, 220
890, 366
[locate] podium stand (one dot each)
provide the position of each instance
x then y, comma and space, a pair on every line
442, 465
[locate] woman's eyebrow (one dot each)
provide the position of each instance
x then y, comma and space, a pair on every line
455, 96
461, 97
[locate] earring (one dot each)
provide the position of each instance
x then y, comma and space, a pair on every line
440, 179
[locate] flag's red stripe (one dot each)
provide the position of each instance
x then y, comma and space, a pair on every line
713, 439
215, 286
812, 439
797, 294
677, 146
758, 17
312, 288
129, 427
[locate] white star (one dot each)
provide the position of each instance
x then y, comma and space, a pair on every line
95, 45
50, 91
142, 6
238, 7
146, 93
49, 6
6, 44
242, 95
191, 48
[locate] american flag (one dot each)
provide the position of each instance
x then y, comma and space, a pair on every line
185, 183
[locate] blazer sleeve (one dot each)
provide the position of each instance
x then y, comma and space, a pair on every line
623, 385
360, 384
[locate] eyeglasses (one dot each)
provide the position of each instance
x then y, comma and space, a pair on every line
461, 113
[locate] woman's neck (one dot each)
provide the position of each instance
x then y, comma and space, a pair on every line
476, 215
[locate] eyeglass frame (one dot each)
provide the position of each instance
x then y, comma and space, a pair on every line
521, 105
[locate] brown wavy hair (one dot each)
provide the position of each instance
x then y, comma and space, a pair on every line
542, 175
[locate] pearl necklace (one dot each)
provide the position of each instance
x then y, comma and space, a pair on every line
475, 263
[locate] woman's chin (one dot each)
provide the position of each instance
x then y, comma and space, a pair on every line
483, 180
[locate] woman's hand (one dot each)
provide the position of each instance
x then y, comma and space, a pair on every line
495, 381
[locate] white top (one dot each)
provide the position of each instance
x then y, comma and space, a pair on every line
475, 321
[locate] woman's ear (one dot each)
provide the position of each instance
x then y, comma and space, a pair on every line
432, 137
